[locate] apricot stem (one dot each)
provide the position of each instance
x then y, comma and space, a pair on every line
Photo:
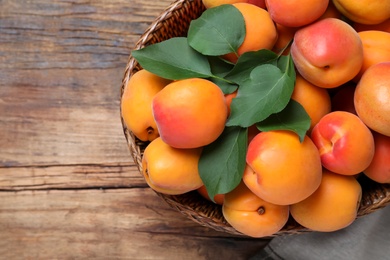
261, 210
149, 130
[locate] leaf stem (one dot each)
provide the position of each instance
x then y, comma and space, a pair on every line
285, 47
222, 79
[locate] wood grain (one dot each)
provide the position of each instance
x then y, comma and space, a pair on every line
106, 224
68, 186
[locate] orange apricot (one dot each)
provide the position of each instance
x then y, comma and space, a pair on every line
281, 169
376, 48
364, 11
332, 206
256, 37
315, 100
170, 170
251, 215
136, 104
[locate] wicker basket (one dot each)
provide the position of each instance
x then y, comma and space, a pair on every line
174, 22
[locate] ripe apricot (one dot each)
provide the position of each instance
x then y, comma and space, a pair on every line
251, 215
379, 169
315, 100
190, 113
376, 48
136, 104
364, 11
281, 169
345, 143
170, 170
257, 37
295, 13
214, 3
332, 206
372, 97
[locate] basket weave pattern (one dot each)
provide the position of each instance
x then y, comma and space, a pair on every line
174, 22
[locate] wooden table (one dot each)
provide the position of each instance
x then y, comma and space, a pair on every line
68, 186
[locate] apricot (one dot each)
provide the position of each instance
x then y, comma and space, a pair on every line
333, 206
218, 198
136, 104
190, 113
214, 3
170, 170
315, 100
251, 215
256, 37
376, 48
372, 97
327, 53
295, 13
345, 143
280, 169
379, 169
364, 11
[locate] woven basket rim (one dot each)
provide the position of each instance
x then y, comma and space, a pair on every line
375, 196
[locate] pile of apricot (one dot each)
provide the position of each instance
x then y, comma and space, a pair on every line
343, 83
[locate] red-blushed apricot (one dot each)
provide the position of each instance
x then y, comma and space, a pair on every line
333, 206
345, 143
281, 169
372, 97
190, 113
170, 170
294, 13
251, 215
379, 169
328, 53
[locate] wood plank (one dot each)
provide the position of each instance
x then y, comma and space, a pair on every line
70, 177
107, 224
61, 66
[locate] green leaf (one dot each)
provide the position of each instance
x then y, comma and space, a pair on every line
267, 91
286, 64
293, 118
247, 62
219, 30
173, 59
220, 68
225, 86
222, 163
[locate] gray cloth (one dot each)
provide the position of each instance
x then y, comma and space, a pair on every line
367, 238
